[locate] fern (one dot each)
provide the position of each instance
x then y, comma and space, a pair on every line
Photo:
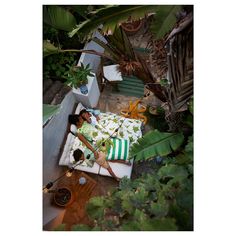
156, 143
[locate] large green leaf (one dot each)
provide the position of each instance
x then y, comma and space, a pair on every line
49, 111
165, 19
58, 17
82, 10
110, 16
156, 143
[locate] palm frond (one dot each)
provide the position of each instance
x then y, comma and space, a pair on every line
156, 143
110, 16
107, 48
180, 64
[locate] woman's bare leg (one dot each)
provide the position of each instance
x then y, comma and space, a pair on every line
121, 161
112, 173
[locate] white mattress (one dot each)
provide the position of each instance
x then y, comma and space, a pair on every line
119, 169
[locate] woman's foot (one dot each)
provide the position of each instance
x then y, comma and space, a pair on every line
118, 179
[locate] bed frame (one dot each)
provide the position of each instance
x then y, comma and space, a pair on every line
121, 170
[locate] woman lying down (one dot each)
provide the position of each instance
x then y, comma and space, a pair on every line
99, 147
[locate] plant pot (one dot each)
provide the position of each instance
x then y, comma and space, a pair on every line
83, 89
132, 26
63, 197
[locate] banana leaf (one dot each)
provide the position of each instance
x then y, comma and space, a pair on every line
164, 20
110, 16
49, 111
155, 143
58, 18
82, 10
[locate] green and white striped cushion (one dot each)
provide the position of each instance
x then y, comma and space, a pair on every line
119, 151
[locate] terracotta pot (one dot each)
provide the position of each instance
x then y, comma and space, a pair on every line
132, 26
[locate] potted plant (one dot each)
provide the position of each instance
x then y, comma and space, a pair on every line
77, 77
63, 196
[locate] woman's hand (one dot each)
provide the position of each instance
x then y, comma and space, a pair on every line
96, 155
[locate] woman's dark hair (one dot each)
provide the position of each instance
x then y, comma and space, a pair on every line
77, 154
83, 112
73, 119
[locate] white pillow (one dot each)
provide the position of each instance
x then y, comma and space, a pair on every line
79, 108
73, 129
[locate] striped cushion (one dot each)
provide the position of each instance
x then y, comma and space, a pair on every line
119, 151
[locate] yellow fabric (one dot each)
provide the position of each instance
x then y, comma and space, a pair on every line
135, 111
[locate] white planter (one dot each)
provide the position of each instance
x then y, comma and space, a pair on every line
90, 99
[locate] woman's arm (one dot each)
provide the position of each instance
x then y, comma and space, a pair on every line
87, 144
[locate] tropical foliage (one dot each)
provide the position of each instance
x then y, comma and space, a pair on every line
162, 200
120, 49
55, 65
66, 17
155, 143
58, 17
109, 17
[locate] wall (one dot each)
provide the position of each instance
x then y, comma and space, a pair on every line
53, 136
54, 132
94, 60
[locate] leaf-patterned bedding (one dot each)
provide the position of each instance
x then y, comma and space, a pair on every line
130, 128
108, 123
